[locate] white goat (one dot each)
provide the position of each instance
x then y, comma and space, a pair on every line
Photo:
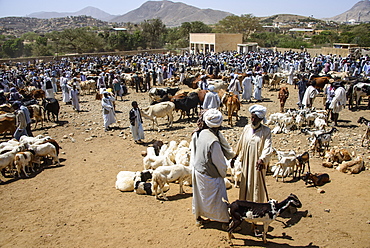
44, 150
167, 174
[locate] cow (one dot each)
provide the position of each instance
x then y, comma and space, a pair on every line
157, 93
321, 81
161, 109
188, 103
275, 80
38, 94
36, 114
7, 123
232, 106
283, 96
51, 105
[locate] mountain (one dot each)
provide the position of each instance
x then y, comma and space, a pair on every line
88, 11
359, 12
171, 13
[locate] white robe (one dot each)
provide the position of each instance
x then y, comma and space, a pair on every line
211, 100
257, 94
339, 100
310, 93
251, 147
109, 116
137, 130
208, 191
75, 99
247, 88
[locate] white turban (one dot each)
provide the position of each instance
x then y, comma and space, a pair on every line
211, 88
259, 110
212, 118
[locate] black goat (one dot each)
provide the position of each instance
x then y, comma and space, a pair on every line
258, 212
303, 159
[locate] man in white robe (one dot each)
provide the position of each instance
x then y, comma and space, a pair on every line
309, 95
338, 102
247, 87
258, 83
254, 150
136, 123
109, 116
208, 151
211, 99
234, 86
75, 98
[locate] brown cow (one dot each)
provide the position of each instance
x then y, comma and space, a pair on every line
233, 106
38, 94
283, 96
320, 82
7, 123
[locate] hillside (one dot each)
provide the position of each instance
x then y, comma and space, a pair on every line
88, 11
171, 13
360, 12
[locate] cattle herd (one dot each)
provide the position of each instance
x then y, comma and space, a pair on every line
180, 83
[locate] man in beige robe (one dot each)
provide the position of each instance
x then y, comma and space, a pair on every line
254, 149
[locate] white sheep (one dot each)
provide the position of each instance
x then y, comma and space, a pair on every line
23, 160
43, 150
125, 181
284, 167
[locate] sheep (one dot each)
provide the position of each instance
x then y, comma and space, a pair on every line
144, 188
23, 159
235, 170
167, 174
43, 150
6, 159
125, 181
316, 179
183, 156
151, 161
258, 212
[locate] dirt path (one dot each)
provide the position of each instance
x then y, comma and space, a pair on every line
77, 205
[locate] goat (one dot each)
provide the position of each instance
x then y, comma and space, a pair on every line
343, 167
258, 212
302, 160
322, 141
43, 150
285, 166
167, 174
23, 159
316, 179
366, 135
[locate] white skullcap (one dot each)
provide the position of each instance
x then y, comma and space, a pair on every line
259, 110
211, 88
213, 118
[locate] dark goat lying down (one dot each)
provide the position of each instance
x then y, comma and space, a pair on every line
258, 212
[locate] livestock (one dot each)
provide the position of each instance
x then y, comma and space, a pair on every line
283, 96
7, 124
51, 105
235, 170
151, 161
187, 104
345, 166
88, 86
361, 90
276, 79
302, 160
233, 106
157, 93
36, 114
337, 155
6, 108
254, 212
44, 150
317, 179
125, 181
146, 188
157, 146
38, 94
168, 174
285, 166
322, 141
23, 160
159, 110
6, 159
192, 81
366, 135
321, 81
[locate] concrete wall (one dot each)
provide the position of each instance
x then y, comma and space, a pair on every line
228, 42
221, 42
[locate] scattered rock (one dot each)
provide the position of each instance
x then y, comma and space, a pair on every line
327, 210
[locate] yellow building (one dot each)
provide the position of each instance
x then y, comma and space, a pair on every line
214, 42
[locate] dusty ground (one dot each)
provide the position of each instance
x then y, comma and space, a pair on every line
77, 205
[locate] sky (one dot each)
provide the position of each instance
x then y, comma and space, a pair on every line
259, 8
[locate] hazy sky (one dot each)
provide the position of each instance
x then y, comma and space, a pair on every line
317, 8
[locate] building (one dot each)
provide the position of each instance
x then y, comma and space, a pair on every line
247, 47
344, 45
214, 42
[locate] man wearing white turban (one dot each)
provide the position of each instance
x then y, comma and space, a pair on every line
211, 99
254, 150
208, 151
234, 85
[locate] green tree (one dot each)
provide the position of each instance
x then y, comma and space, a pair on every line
245, 24
13, 48
153, 32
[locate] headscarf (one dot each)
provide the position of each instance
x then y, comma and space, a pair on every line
211, 88
259, 110
213, 118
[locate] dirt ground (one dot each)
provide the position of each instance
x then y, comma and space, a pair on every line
77, 205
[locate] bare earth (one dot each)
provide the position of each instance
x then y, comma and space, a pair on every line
77, 205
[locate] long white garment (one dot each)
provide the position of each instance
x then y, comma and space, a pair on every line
290, 76
208, 191
75, 99
339, 100
137, 130
235, 87
253, 145
108, 112
257, 94
247, 88
65, 89
211, 100
310, 93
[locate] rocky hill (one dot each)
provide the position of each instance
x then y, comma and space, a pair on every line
88, 11
171, 13
360, 12
18, 25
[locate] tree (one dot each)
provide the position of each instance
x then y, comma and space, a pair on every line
13, 48
153, 32
244, 24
